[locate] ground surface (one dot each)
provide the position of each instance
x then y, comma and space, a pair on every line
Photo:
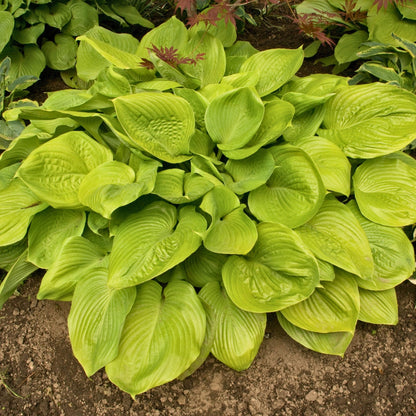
377, 376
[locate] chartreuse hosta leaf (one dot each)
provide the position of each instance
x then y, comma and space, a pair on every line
55, 170
370, 120
334, 307
333, 166
280, 271
277, 117
110, 186
393, 254
294, 192
275, 66
334, 343
159, 123
237, 54
385, 189
326, 271
76, 256
211, 69
6, 28
180, 187
379, 307
336, 236
153, 241
233, 118
18, 205
96, 319
305, 124
18, 272
9, 254
231, 230
48, 230
198, 103
204, 266
161, 338
238, 334
250, 173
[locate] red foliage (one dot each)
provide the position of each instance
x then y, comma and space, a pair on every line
351, 15
385, 3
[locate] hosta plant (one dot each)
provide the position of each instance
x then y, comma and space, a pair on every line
176, 202
36, 34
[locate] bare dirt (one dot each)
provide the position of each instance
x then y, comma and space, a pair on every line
377, 377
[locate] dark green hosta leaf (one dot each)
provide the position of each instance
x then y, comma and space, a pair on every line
48, 231
333, 166
15, 277
96, 319
6, 28
29, 35
333, 307
159, 123
60, 54
277, 117
18, 205
152, 241
275, 66
280, 271
233, 118
131, 14
237, 333
29, 63
385, 189
204, 266
294, 192
334, 343
393, 254
74, 260
55, 170
250, 173
178, 187
336, 236
162, 337
84, 17
54, 15
110, 186
379, 307
371, 120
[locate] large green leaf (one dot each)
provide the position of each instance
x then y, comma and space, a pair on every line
152, 241
84, 17
393, 254
277, 117
349, 45
55, 170
364, 123
15, 277
6, 28
275, 67
333, 166
379, 307
98, 40
110, 186
162, 337
250, 173
60, 54
96, 319
48, 230
55, 14
333, 307
280, 271
336, 236
29, 35
385, 189
9, 254
294, 192
180, 187
334, 343
204, 266
18, 205
75, 258
237, 333
159, 123
233, 118
211, 68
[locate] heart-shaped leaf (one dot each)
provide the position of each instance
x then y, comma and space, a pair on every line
379, 307
162, 337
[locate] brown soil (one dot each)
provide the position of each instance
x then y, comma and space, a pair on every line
375, 378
